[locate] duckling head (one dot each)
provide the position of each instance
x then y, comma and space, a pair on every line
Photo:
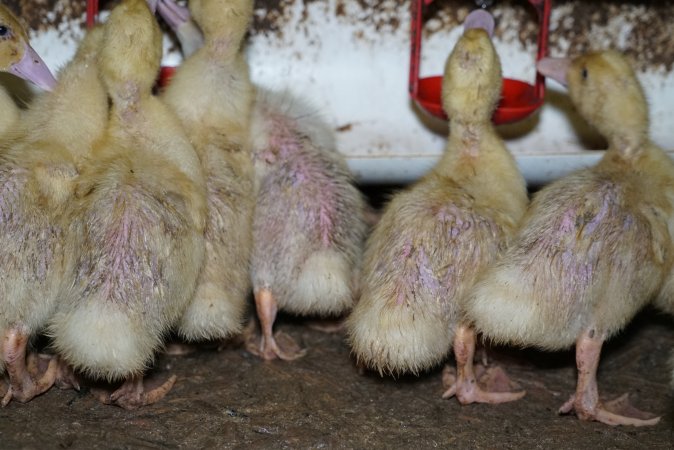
224, 23
607, 93
130, 52
17, 56
471, 85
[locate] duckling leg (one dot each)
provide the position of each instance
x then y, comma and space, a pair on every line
133, 395
22, 386
273, 346
466, 387
585, 402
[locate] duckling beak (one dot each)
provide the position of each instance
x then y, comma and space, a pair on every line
480, 19
172, 13
152, 4
32, 68
555, 68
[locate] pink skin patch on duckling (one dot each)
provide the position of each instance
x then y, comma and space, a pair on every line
400, 288
576, 270
427, 277
577, 244
417, 276
123, 268
568, 223
421, 274
287, 145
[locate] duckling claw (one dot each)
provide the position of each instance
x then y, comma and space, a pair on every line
133, 395
23, 385
615, 412
280, 345
24, 388
65, 377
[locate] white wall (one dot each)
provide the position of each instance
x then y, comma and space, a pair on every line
357, 79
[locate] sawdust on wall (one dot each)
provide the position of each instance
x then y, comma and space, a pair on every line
641, 29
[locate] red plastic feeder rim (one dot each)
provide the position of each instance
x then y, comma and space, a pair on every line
519, 99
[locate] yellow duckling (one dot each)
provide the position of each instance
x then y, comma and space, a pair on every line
435, 237
136, 228
595, 246
308, 224
38, 168
212, 94
17, 56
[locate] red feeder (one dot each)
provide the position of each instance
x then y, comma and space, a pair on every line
519, 99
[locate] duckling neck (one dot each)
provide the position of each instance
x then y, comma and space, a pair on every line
148, 127
628, 146
468, 143
223, 48
467, 136
10, 112
476, 159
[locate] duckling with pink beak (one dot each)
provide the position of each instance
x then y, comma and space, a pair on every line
435, 237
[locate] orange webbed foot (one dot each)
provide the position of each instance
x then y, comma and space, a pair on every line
615, 412
490, 385
25, 381
473, 383
585, 401
25, 386
280, 346
133, 394
65, 376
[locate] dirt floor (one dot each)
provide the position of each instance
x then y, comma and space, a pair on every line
229, 399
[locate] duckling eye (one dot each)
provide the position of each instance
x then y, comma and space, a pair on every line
4, 31
583, 73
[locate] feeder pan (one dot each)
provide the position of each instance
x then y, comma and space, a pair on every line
165, 72
519, 99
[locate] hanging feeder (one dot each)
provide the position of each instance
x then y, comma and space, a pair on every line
519, 99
